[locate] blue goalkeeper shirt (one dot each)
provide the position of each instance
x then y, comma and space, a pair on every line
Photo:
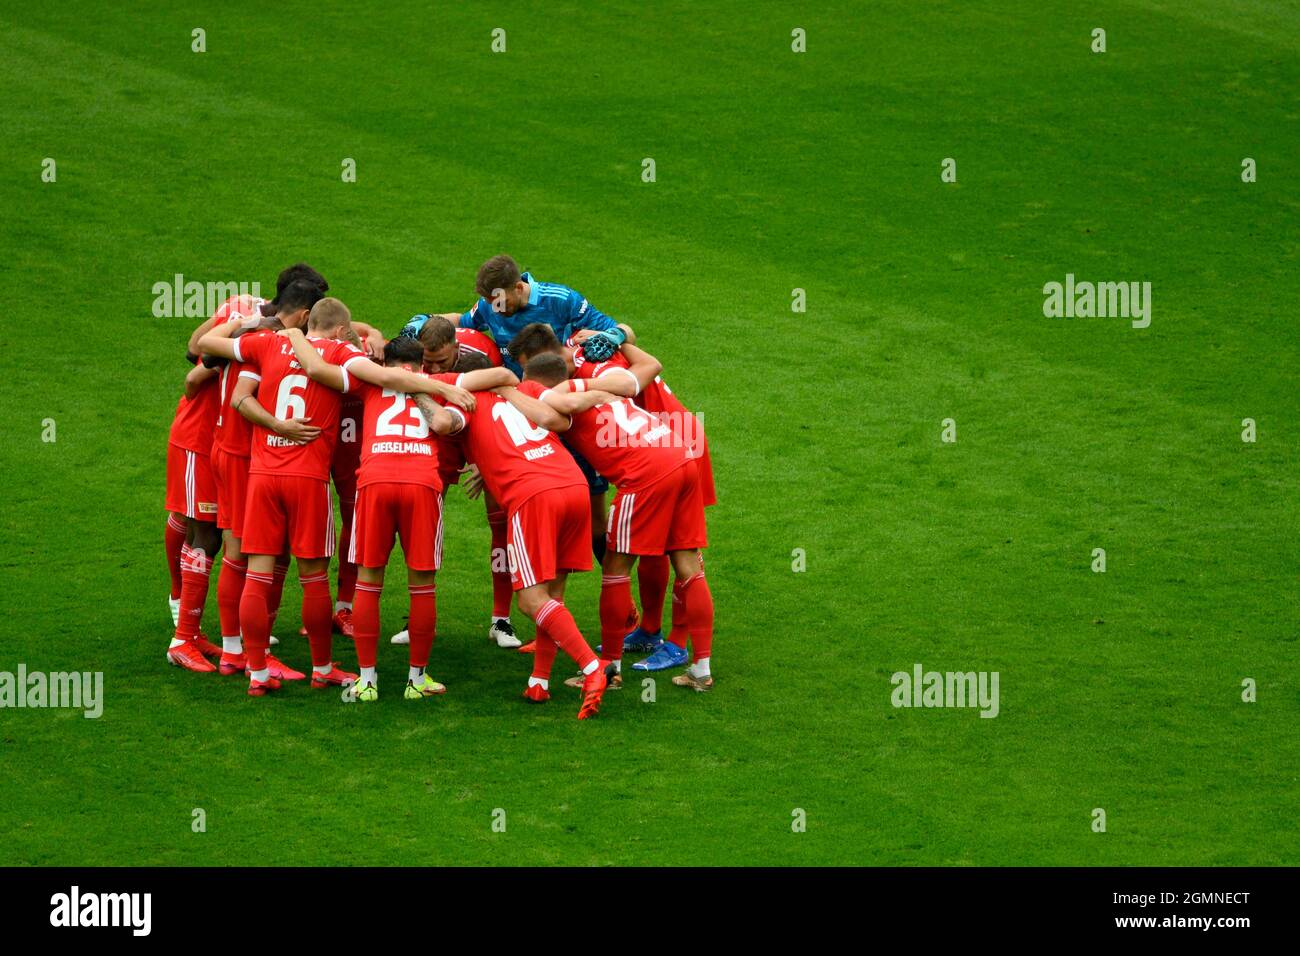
558, 306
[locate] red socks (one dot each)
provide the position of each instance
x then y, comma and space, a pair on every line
230, 588
617, 615
423, 622
347, 570
502, 590
317, 617
255, 619
544, 652
652, 583
276, 593
365, 622
195, 567
560, 626
698, 603
677, 634
174, 541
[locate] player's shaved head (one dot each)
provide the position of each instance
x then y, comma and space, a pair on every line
437, 332
533, 339
328, 314
471, 362
548, 369
299, 272
403, 351
499, 272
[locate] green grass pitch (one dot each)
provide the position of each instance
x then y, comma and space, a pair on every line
774, 171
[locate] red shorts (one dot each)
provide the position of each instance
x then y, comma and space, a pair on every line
704, 465
191, 490
550, 533
667, 515
231, 474
389, 509
288, 510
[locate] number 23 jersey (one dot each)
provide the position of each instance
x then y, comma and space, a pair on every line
397, 444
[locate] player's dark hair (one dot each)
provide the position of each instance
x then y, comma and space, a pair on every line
547, 368
299, 272
533, 339
471, 362
499, 272
298, 294
403, 351
436, 332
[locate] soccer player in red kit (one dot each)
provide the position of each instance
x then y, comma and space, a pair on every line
444, 345
659, 508
192, 498
231, 451
343, 470
654, 395
288, 490
399, 494
548, 521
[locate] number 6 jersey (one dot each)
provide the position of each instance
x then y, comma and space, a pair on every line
286, 392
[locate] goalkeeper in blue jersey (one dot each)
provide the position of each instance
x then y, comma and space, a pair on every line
509, 300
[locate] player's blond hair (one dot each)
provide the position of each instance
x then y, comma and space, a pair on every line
328, 313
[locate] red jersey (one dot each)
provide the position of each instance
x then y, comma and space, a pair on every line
196, 418
655, 397
516, 458
397, 443
471, 341
623, 442
234, 432
286, 392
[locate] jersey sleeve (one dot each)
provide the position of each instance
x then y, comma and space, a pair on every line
250, 349
344, 354
475, 318
581, 314
532, 389
449, 378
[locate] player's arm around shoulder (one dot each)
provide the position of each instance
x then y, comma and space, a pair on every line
317, 369
574, 397
442, 419
244, 401
400, 380
220, 341
536, 410
486, 379
195, 378
643, 366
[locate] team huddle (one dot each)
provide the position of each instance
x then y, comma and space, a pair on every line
532, 400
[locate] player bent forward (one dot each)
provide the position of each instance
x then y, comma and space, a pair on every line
659, 508
399, 495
